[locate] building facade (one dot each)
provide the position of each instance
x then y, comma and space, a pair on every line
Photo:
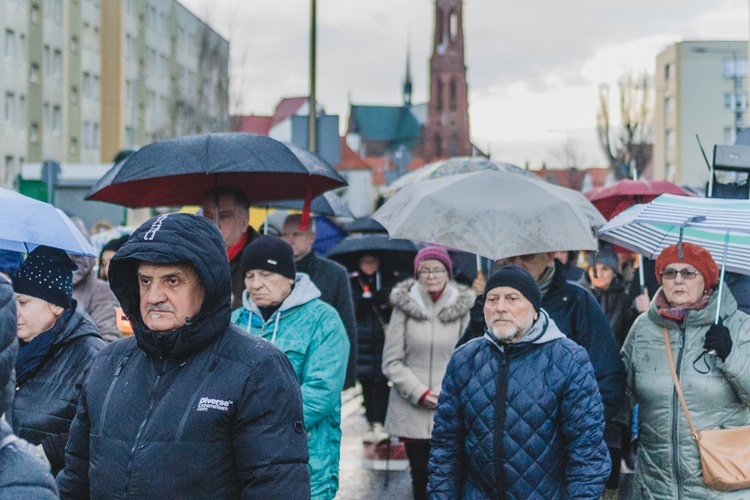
701, 89
83, 79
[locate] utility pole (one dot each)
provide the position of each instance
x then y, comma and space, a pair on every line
312, 136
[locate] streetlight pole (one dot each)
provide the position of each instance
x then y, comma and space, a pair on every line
312, 139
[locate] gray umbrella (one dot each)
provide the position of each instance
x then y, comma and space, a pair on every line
493, 214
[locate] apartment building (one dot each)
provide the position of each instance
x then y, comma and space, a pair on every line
83, 79
701, 90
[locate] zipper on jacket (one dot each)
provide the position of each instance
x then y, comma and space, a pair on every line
501, 389
138, 435
675, 442
120, 365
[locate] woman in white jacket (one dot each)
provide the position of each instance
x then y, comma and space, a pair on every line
428, 317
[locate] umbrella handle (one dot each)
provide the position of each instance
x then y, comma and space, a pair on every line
641, 274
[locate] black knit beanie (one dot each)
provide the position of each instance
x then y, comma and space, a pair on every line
520, 279
269, 253
47, 274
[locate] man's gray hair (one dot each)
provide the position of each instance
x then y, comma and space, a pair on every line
296, 219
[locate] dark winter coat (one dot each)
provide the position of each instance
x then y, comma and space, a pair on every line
332, 280
372, 312
616, 303
521, 420
204, 411
235, 270
45, 403
577, 314
23, 473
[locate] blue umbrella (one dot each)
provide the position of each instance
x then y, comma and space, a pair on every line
26, 223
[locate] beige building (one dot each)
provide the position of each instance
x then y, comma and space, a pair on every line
83, 79
701, 89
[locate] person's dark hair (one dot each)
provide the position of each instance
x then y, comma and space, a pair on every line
112, 245
217, 192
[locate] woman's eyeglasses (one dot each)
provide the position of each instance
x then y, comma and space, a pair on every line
687, 273
435, 272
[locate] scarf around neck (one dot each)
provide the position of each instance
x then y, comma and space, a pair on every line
678, 313
32, 354
545, 280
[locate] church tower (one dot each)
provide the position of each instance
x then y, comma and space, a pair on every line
447, 130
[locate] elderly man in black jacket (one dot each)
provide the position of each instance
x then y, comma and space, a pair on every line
23, 472
331, 279
188, 407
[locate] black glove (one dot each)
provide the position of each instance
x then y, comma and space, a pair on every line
719, 340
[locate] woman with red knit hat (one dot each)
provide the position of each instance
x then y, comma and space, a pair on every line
429, 315
712, 361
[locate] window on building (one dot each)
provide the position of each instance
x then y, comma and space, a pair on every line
9, 108
57, 64
74, 44
34, 76
86, 86
34, 133
36, 13
8, 166
73, 148
128, 47
669, 105
669, 71
21, 110
439, 90
46, 116
453, 146
453, 26
730, 134
95, 136
10, 45
669, 138
46, 60
73, 95
86, 134
669, 172
452, 99
21, 48
56, 120
95, 88
95, 39
729, 69
731, 105
438, 146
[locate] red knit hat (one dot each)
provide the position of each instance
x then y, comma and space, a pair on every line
433, 252
696, 256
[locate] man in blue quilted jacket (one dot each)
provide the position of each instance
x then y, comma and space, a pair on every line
520, 414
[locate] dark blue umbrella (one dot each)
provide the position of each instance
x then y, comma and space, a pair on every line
365, 225
327, 203
179, 171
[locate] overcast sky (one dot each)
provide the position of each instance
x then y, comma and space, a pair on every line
533, 66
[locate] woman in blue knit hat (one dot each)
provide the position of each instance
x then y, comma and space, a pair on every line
57, 342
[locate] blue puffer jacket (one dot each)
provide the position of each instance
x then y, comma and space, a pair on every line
543, 395
312, 335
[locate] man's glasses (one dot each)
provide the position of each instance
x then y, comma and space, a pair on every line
687, 273
435, 272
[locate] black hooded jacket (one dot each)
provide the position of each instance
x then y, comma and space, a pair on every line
203, 411
23, 473
45, 403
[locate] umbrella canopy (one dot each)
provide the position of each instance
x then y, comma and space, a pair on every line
451, 166
493, 214
625, 193
394, 254
708, 222
364, 225
179, 171
325, 204
26, 223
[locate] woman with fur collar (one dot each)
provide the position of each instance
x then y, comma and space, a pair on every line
429, 315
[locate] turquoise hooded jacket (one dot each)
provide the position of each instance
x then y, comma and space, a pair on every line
312, 335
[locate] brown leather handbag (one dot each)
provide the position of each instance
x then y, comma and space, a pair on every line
725, 453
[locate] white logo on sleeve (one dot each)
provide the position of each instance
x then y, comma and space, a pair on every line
206, 404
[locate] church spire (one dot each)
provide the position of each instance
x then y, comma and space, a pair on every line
407, 80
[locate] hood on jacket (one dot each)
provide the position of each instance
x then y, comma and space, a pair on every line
168, 239
8, 345
85, 267
411, 298
303, 291
543, 330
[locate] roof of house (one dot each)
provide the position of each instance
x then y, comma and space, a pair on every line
287, 107
349, 159
395, 125
252, 124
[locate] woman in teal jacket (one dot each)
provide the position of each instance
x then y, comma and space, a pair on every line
283, 307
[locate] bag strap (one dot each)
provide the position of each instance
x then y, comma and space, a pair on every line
677, 384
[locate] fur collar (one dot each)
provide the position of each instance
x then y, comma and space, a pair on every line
411, 298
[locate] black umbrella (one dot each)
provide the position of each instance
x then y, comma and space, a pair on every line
394, 255
365, 225
327, 203
179, 171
